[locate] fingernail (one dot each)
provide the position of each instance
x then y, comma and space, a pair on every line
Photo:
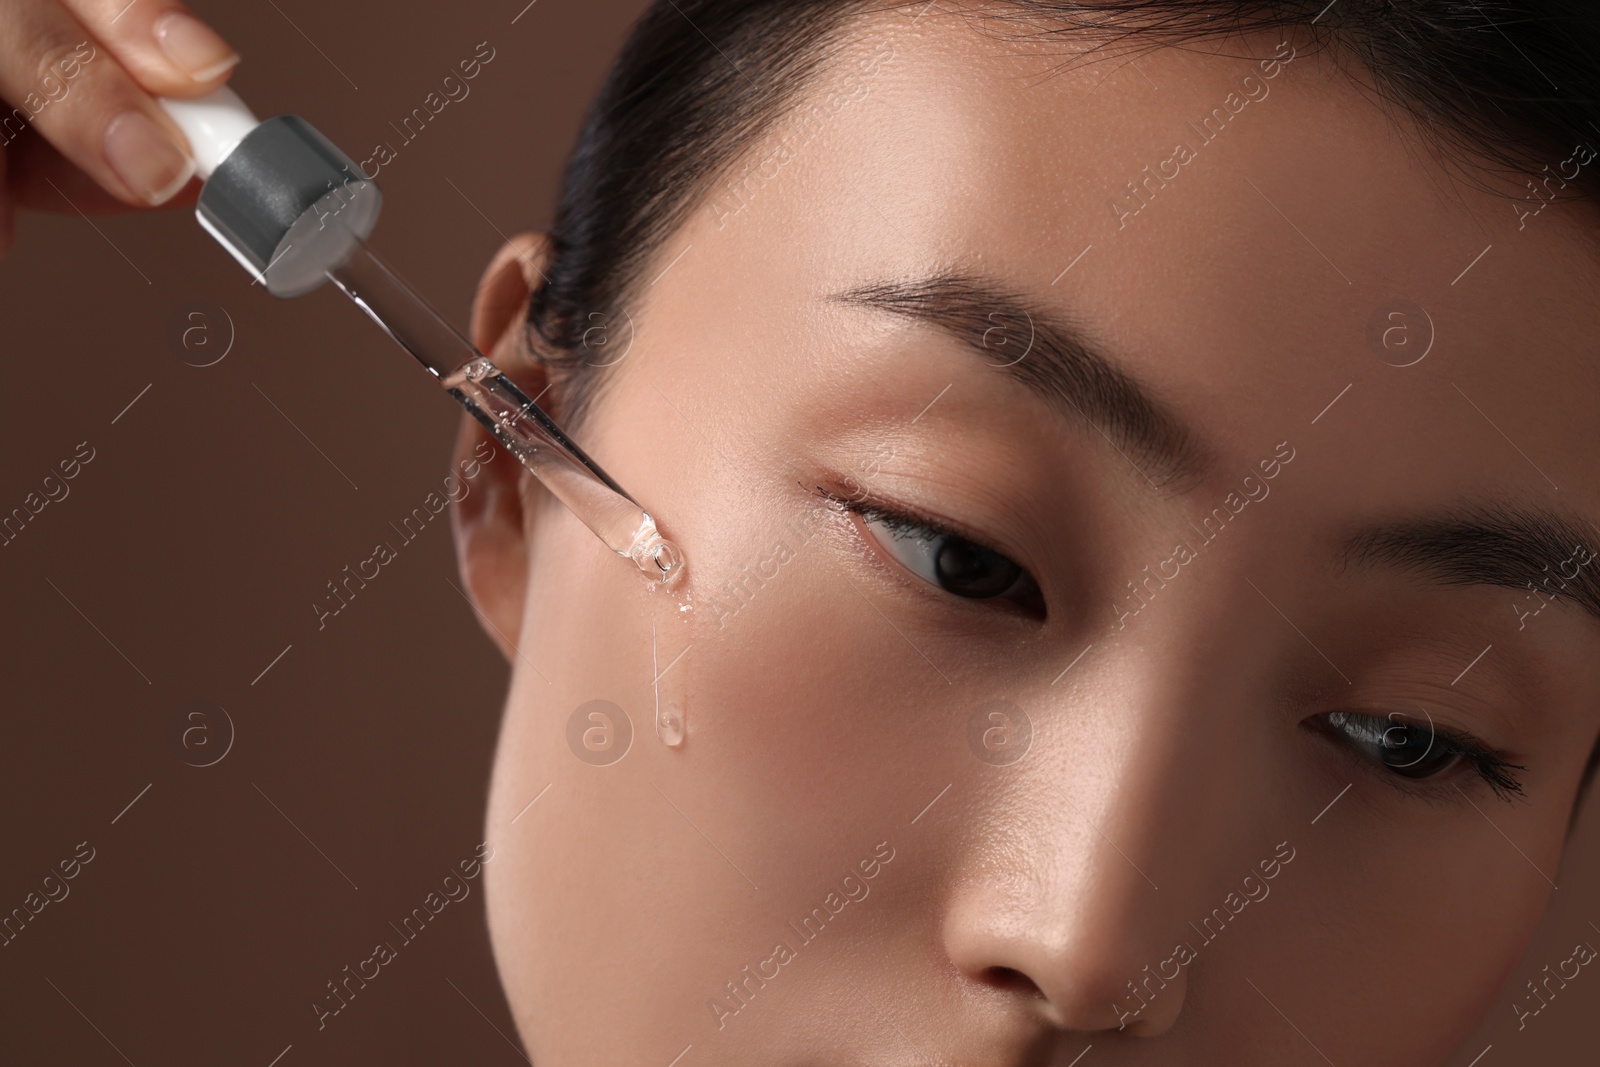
193, 46
144, 157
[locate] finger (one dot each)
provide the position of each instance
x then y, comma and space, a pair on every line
165, 48
81, 100
40, 178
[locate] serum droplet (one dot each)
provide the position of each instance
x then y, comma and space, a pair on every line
671, 689
669, 727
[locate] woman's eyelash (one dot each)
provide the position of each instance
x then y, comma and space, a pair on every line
898, 521
942, 557
1381, 738
901, 521
1491, 766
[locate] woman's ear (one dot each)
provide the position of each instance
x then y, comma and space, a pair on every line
489, 521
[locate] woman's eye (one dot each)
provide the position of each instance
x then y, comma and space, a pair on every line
951, 562
1407, 749
1422, 751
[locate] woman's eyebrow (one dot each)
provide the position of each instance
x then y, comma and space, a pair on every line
1055, 358
1060, 360
1496, 545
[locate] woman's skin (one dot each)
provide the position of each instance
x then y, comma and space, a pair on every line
1174, 750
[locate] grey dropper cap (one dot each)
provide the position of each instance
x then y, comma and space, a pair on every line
281, 198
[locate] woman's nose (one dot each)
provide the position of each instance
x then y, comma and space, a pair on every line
1064, 916
1078, 887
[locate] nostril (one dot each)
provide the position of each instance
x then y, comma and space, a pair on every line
1011, 980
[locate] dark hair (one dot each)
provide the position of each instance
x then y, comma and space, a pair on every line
1508, 85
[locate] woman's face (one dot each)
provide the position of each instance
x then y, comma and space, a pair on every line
1258, 419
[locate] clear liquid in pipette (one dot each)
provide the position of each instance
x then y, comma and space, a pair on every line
514, 420
625, 527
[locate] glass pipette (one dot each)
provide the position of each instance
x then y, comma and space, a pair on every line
294, 211
507, 413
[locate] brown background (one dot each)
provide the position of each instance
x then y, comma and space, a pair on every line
197, 540
190, 550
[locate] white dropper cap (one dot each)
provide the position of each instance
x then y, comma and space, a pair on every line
214, 124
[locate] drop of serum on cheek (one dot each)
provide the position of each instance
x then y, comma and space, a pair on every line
670, 641
670, 672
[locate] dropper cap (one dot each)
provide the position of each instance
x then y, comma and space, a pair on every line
273, 190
